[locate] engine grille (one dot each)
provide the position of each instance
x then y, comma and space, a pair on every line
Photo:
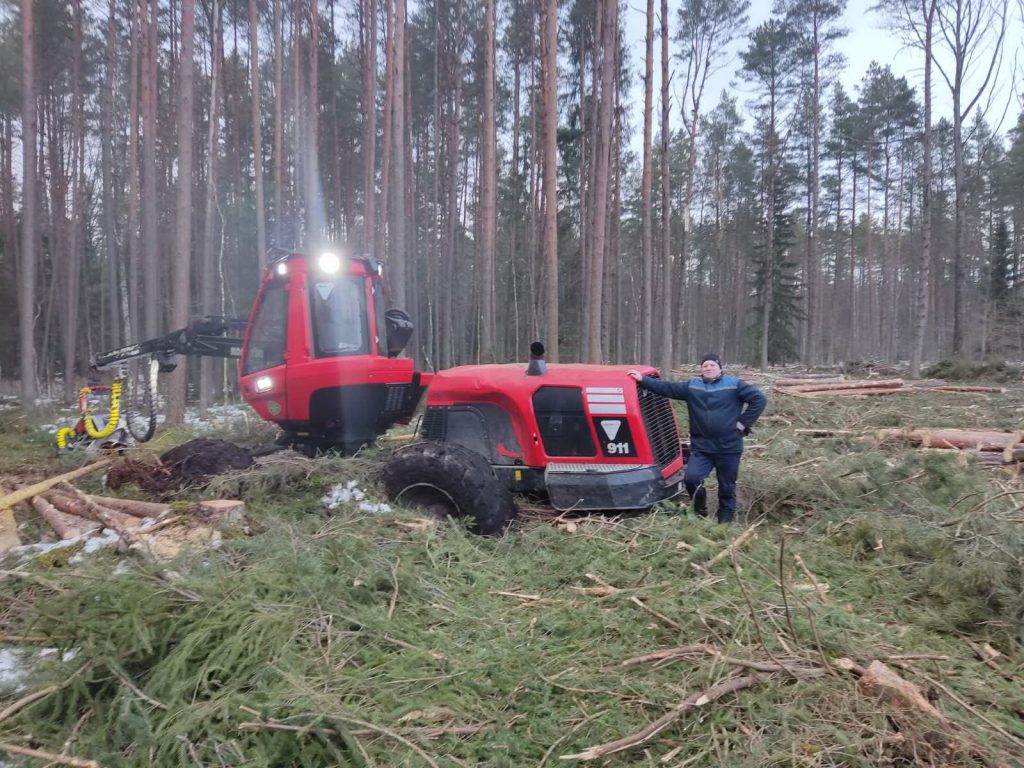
661, 426
432, 426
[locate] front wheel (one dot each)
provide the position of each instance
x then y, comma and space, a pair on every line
447, 480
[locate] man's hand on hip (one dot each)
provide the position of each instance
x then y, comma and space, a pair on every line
740, 427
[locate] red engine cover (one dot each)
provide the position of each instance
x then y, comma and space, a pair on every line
609, 397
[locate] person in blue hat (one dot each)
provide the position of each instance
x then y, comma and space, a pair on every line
722, 410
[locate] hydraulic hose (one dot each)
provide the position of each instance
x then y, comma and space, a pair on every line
115, 412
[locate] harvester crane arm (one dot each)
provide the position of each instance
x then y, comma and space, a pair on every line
208, 336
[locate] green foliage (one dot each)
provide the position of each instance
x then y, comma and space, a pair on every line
352, 633
779, 269
963, 370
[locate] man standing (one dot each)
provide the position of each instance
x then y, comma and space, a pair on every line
722, 410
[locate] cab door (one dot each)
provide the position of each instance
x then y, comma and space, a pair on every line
263, 365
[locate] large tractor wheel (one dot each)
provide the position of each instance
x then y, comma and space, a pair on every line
447, 480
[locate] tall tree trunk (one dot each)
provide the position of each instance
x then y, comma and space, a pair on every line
646, 247
370, 122
208, 283
73, 265
151, 266
549, 66
925, 260
27, 283
134, 327
181, 266
488, 192
769, 269
811, 268
114, 338
959, 223
606, 47
278, 123
383, 244
257, 133
665, 357
398, 254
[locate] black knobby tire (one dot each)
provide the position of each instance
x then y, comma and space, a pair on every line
447, 480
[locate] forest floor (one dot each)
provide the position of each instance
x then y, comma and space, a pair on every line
867, 609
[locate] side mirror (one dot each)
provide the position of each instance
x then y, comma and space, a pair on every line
398, 330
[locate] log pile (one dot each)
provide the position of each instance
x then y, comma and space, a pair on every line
71, 515
840, 386
988, 447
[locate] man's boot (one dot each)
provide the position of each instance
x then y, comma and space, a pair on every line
700, 502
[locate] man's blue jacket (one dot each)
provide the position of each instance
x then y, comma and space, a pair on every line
715, 408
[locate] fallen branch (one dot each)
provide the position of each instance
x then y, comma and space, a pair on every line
670, 653
995, 726
48, 756
819, 588
740, 540
660, 617
691, 703
32, 490
824, 432
24, 701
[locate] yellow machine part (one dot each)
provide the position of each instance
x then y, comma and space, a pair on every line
115, 413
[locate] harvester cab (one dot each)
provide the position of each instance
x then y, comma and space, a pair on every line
321, 355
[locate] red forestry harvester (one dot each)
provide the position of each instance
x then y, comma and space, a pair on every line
320, 358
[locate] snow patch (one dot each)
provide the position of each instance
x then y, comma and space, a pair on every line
346, 493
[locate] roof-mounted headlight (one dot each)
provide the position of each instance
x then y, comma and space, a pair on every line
329, 263
281, 268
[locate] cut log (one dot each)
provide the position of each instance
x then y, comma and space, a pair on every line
82, 507
66, 526
131, 506
31, 490
851, 385
109, 518
8, 531
9, 538
991, 440
825, 432
815, 376
858, 392
803, 382
951, 388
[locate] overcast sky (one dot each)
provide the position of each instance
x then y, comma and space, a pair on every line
867, 40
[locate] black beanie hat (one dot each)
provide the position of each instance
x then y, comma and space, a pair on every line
711, 356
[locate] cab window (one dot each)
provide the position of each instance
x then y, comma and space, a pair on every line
269, 330
562, 422
338, 309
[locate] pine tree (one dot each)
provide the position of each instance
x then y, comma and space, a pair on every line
777, 264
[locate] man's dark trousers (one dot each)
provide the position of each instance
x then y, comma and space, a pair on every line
727, 468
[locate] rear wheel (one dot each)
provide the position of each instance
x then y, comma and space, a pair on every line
447, 480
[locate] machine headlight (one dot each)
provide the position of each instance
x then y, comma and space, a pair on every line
329, 263
264, 384
282, 269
